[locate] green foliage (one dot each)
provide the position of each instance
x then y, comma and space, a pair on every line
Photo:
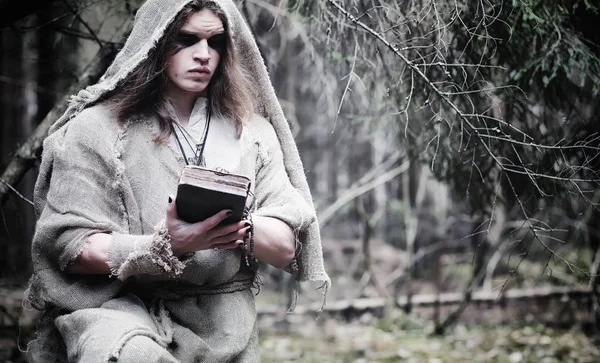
500, 99
401, 323
350, 342
550, 44
550, 55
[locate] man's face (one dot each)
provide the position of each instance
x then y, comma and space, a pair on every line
199, 46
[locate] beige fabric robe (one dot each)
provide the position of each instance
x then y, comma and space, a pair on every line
97, 176
108, 178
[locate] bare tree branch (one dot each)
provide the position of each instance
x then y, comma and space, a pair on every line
350, 75
85, 24
492, 140
353, 193
16, 192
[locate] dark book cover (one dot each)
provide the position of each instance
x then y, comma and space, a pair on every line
203, 193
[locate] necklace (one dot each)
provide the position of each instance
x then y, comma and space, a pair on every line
193, 144
199, 153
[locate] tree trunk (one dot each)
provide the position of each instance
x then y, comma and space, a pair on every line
14, 91
29, 152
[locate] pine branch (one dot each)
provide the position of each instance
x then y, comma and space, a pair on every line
486, 139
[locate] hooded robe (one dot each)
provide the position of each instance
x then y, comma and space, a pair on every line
101, 176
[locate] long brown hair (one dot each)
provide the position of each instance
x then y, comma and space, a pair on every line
143, 91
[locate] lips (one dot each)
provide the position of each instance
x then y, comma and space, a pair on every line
201, 70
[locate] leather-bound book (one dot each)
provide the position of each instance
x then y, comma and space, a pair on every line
203, 193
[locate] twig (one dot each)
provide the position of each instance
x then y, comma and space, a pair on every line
482, 137
327, 214
399, 272
16, 192
85, 24
347, 84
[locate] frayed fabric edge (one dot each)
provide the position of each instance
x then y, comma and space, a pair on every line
162, 254
325, 287
153, 257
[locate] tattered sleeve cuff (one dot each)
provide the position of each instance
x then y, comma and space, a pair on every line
131, 255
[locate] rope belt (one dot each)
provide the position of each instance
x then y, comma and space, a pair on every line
174, 290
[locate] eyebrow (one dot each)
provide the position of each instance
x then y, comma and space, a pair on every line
192, 33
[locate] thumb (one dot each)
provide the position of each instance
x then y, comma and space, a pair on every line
171, 208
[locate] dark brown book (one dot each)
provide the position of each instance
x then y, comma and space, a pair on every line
203, 193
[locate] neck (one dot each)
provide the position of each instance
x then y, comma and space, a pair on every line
183, 103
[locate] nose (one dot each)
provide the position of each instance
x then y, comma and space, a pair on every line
201, 51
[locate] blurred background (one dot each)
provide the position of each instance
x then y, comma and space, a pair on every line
451, 147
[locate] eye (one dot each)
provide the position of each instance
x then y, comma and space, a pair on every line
186, 40
217, 42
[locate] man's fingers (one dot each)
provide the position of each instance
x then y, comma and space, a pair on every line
227, 229
229, 245
235, 235
171, 208
212, 221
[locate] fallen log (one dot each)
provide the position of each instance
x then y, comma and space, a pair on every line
376, 306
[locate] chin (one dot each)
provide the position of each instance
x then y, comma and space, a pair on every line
197, 88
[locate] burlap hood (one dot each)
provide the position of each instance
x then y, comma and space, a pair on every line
151, 21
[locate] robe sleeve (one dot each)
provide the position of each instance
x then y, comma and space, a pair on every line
276, 197
83, 192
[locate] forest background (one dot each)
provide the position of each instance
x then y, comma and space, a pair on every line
451, 148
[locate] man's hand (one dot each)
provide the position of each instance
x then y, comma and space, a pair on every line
204, 235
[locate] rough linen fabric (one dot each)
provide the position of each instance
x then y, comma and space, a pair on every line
151, 21
118, 184
97, 176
